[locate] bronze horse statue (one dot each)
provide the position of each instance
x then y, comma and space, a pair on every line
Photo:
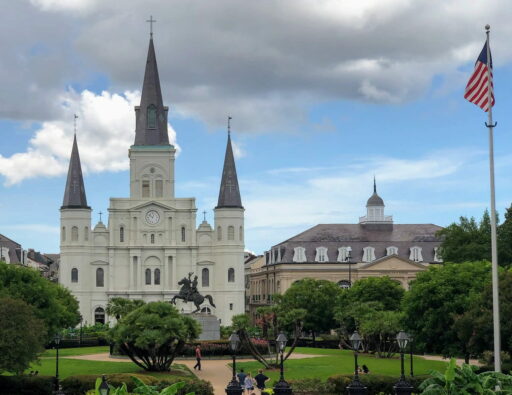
189, 293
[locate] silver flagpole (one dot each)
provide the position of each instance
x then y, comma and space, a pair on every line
494, 249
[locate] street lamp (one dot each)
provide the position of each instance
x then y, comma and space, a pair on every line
104, 388
356, 387
234, 387
411, 339
282, 387
56, 340
403, 387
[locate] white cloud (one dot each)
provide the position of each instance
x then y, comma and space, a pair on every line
106, 124
238, 150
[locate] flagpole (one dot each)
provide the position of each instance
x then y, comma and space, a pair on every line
494, 250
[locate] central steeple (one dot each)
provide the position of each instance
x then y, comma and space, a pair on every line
151, 115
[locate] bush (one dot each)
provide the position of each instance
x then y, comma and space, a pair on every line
312, 386
80, 384
375, 383
221, 347
200, 387
26, 385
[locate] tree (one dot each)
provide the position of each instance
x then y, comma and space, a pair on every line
389, 293
317, 298
22, 335
120, 307
154, 334
52, 303
505, 240
436, 298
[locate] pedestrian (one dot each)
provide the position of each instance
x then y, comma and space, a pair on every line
241, 377
198, 358
248, 383
260, 380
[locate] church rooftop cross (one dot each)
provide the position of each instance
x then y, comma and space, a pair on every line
151, 21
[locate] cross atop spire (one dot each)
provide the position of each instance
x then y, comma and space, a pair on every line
229, 125
151, 21
75, 117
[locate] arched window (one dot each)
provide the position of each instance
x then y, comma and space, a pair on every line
74, 275
321, 254
86, 233
74, 233
392, 250
152, 238
344, 284
416, 254
183, 234
299, 254
157, 276
231, 232
121, 234
205, 277
100, 277
63, 233
148, 276
206, 310
241, 233
219, 233
145, 188
231, 275
368, 254
99, 315
151, 117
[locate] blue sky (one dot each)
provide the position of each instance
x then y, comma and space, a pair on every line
321, 103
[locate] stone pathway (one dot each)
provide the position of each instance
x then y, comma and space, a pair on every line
459, 361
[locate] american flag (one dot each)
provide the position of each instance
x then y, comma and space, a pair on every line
477, 88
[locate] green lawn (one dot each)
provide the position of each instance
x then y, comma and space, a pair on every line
76, 351
341, 362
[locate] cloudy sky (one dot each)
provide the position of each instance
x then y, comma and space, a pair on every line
324, 95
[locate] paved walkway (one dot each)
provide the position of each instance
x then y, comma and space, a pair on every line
459, 361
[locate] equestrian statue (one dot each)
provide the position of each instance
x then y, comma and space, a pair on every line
189, 293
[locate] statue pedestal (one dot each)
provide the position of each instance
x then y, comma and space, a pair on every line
210, 326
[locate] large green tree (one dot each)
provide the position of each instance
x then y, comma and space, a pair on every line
52, 303
389, 293
22, 335
154, 334
438, 296
120, 307
317, 298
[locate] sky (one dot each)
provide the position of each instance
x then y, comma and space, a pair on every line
324, 96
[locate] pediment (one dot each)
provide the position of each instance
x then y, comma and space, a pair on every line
152, 203
393, 263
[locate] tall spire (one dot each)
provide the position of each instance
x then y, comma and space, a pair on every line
74, 194
374, 185
151, 115
229, 194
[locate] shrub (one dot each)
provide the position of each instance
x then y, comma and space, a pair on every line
26, 385
375, 383
80, 384
200, 387
221, 347
312, 386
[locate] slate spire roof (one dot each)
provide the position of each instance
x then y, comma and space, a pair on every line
151, 115
229, 194
375, 200
74, 194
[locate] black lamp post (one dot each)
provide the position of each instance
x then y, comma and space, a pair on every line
282, 387
104, 389
234, 387
56, 340
411, 342
356, 387
403, 387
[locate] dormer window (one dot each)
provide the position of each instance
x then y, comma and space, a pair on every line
344, 254
368, 254
392, 251
416, 254
321, 254
437, 255
151, 117
299, 254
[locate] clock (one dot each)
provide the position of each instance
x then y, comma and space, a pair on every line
152, 217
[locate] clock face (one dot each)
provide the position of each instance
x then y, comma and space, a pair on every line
152, 217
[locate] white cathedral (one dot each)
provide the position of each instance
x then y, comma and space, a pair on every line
151, 241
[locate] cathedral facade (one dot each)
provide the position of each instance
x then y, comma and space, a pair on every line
151, 241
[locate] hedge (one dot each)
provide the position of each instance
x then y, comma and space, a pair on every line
80, 384
376, 383
200, 387
26, 385
221, 348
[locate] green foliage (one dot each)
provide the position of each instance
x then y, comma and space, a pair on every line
26, 385
121, 307
199, 387
144, 389
389, 293
153, 334
465, 381
436, 298
375, 383
52, 303
22, 335
80, 384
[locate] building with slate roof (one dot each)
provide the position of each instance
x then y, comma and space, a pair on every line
345, 253
150, 241
11, 251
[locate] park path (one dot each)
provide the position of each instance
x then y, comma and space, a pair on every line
459, 361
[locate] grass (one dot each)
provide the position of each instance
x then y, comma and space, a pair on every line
334, 362
65, 352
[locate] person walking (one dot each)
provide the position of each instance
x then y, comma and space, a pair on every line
241, 377
248, 384
198, 358
261, 379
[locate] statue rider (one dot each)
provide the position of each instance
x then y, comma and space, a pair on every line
192, 286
